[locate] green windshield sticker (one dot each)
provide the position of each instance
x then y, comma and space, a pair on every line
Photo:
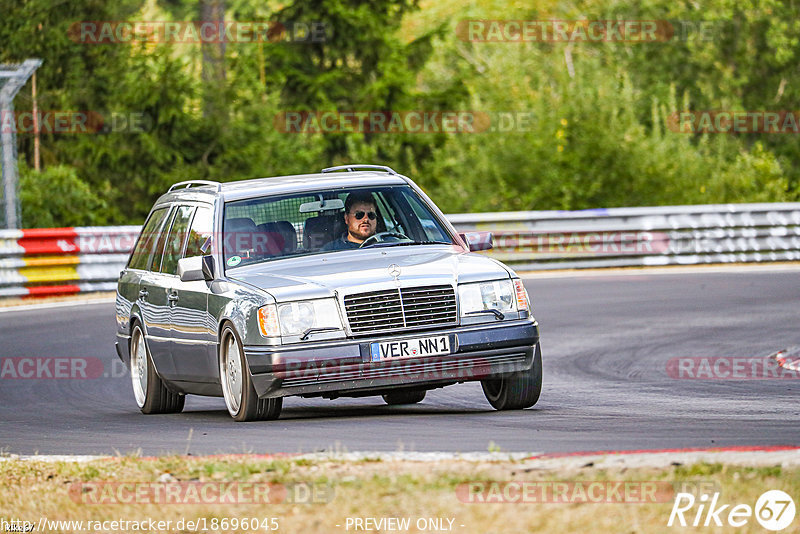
233, 261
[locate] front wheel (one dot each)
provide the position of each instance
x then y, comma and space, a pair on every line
151, 395
516, 391
237, 386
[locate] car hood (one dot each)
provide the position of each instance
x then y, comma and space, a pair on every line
356, 271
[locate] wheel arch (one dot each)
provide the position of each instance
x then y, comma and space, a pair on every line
227, 321
138, 320
134, 317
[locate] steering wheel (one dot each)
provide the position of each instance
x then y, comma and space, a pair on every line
380, 237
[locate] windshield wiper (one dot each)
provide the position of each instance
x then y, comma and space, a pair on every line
315, 330
497, 313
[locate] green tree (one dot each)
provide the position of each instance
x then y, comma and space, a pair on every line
58, 197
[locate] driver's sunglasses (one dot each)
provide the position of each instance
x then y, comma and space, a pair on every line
360, 215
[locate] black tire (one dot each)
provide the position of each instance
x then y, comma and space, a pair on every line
151, 395
404, 397
242, 401
516, 391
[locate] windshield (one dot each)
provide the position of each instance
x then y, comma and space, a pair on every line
319, 222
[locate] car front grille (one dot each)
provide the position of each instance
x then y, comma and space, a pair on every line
406, 308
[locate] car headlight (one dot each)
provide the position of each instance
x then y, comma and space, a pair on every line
497, 295
297, 318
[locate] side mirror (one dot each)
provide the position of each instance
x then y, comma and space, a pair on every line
195, 268
209, 268
478, 240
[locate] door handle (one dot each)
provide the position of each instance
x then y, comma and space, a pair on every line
143, 293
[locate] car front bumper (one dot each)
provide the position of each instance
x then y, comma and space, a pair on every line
343, 368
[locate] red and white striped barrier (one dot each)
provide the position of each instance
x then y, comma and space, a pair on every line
53, 261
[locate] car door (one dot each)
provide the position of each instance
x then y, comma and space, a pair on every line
155, 306
129, 286
192, 330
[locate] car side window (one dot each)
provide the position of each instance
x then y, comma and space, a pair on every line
158, 251
202, 227
147, 239
176, 239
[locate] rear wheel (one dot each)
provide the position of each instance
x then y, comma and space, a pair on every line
237, 386
404, 397
151, 395
516, 391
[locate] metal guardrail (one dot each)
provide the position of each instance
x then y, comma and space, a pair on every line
648, 236
71, 260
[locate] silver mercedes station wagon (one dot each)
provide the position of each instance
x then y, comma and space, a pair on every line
345, 283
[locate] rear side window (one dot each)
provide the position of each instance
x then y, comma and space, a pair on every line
147, 239
176, 239
202, 226
158, 252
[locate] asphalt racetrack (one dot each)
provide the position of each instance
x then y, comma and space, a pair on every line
607, 340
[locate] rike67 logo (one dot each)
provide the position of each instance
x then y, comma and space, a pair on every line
774, 510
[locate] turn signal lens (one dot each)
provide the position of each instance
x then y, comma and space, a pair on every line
268, 321
523, 303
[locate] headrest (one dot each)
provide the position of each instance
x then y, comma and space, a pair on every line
239, 223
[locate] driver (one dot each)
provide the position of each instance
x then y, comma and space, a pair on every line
361, 219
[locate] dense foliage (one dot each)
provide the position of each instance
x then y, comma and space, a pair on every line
597, 131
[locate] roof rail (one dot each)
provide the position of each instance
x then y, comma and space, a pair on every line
354, 166
190, 183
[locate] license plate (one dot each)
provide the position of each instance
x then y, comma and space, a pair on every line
410, 348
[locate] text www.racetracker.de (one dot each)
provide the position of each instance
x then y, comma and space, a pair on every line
200, 524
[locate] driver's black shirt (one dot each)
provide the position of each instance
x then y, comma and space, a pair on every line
340, 244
